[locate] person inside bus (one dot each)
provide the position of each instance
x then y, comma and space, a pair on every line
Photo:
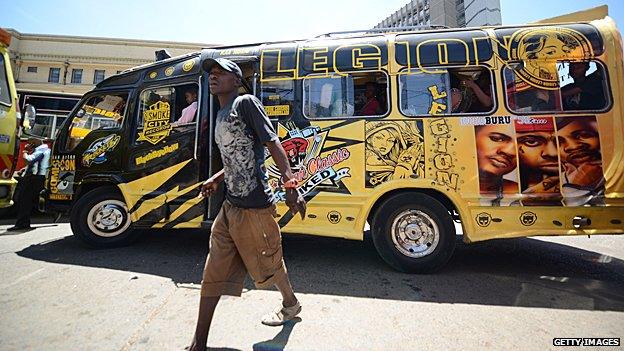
586, 93
37, 156
470, 94
188, 113
496, 157
371, 107
481, 91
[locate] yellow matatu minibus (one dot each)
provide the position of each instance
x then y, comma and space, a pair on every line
8, 123
511, 131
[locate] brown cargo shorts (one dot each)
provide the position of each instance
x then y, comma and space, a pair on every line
243, 240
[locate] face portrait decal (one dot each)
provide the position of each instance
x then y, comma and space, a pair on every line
581, 160
538, 160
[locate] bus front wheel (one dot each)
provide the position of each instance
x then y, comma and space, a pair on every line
413, 233
100, 218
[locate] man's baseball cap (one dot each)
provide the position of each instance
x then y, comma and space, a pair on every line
226, 64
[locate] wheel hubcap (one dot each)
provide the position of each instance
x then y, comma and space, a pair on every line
414, 233
108, 218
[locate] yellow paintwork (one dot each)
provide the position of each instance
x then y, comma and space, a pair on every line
8, 126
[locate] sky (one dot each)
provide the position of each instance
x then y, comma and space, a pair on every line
238, 21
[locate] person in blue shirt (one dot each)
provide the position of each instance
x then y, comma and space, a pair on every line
37, 156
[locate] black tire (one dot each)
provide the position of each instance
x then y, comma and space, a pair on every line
404, 208
107, 204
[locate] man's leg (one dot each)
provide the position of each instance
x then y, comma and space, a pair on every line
24, 202
285, 288
207, 306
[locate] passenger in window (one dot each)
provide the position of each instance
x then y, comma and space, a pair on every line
480, 93
542, 101
371, 106
470, 95
586, 93
188, 113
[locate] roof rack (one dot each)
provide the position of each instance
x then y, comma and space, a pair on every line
385, 29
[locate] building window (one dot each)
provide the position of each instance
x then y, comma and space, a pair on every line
54, 75
98, 76
32, 69
76, 77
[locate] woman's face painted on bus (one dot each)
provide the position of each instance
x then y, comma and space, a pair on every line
222, 81
382, 141
496, 152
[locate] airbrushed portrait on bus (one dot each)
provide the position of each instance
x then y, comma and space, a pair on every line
510, 131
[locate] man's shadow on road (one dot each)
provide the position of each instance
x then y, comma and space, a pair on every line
514, 272
280, 340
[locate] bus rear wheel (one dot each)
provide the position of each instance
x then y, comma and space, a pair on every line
100, 218
413, 233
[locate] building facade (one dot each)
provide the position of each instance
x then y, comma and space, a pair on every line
72, 64
450, 13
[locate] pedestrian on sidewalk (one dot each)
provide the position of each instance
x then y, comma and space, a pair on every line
245, 238
37, 157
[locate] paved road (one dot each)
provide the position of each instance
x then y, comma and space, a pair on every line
55, 294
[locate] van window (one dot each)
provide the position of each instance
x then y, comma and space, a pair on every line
581, 86
446, 91
278, 97
357, 94
176, 107
102, 111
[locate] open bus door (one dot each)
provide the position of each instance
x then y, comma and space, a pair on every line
8, 123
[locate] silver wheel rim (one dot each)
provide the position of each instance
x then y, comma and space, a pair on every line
414, 233
108, 218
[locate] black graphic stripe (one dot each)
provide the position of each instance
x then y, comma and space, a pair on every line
180, 177
343, 143
188, 215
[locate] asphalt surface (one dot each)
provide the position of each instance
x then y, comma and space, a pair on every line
56, 294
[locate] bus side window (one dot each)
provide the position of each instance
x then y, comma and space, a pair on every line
581, 86
278, 97
446, 91
357, 94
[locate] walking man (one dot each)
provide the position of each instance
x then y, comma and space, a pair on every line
245, 237
37, 156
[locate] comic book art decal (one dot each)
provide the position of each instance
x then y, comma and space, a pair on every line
314, 165
394, 150
61, 174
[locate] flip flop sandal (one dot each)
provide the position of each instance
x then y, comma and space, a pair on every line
281, 315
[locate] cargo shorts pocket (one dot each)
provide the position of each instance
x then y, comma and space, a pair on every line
270, 243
